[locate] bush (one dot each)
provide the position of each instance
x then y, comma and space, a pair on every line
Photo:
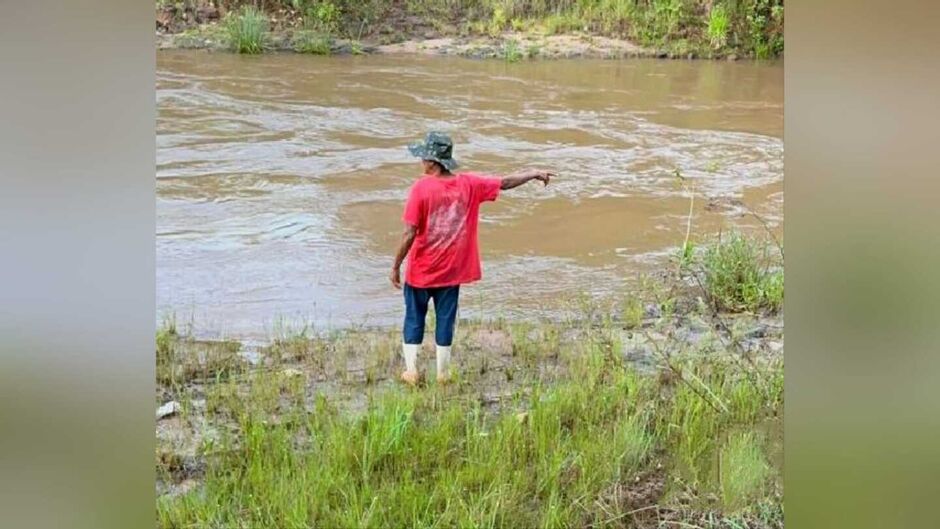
247, 30
739, 275
324, 17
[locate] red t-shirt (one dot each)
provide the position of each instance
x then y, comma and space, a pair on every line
445, 211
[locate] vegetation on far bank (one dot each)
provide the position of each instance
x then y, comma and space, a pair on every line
649, 408
702, 28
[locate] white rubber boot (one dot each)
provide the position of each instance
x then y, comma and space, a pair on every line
443, 363
410, 352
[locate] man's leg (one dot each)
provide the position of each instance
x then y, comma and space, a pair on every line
416, 309
445, 308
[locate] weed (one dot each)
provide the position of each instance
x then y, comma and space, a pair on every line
686, 254
558, 23
718, 23
743, 471
247, 30
632, 312
308, 41
181, 359
324, 17
497, 22
511, 52
738, 275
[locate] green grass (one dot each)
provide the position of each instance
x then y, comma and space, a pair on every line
511, 51
247, 30
415, 460
533, 50
744, 471
181, 360
739, 274
632, 312
702, 27
580, 449
718, 24
555, 24
313, 42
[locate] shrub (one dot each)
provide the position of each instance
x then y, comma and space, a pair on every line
739, 276
247, 30
324, 17
498, 22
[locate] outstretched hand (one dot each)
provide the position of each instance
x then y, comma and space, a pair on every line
543, 176
517, 179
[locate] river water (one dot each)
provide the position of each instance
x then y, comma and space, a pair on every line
281, 178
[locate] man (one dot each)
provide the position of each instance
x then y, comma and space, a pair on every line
440, 240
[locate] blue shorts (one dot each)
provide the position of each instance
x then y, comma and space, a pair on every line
416, 309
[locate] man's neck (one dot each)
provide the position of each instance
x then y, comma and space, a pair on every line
441, 174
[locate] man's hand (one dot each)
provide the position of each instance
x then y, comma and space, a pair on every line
407, 239
517, 179
543, 176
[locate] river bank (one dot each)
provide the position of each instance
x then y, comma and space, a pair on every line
658, 405
511, 46
507, 30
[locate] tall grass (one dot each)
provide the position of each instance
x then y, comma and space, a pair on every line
247, 30
718, 24
585, 451
740, 275
744, 470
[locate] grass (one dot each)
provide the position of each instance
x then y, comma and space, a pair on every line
718, 24
311, 41
247, 30
511, 51
547, 426
740, 275
680, 27
182, 360
632, 312
421, 459
744, 470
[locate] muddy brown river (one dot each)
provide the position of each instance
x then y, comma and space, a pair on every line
281, 178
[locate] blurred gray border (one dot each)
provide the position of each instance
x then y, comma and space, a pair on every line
77, 118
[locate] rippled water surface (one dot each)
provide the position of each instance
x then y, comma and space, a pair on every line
280, 179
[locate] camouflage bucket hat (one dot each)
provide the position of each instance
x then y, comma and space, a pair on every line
437, 147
